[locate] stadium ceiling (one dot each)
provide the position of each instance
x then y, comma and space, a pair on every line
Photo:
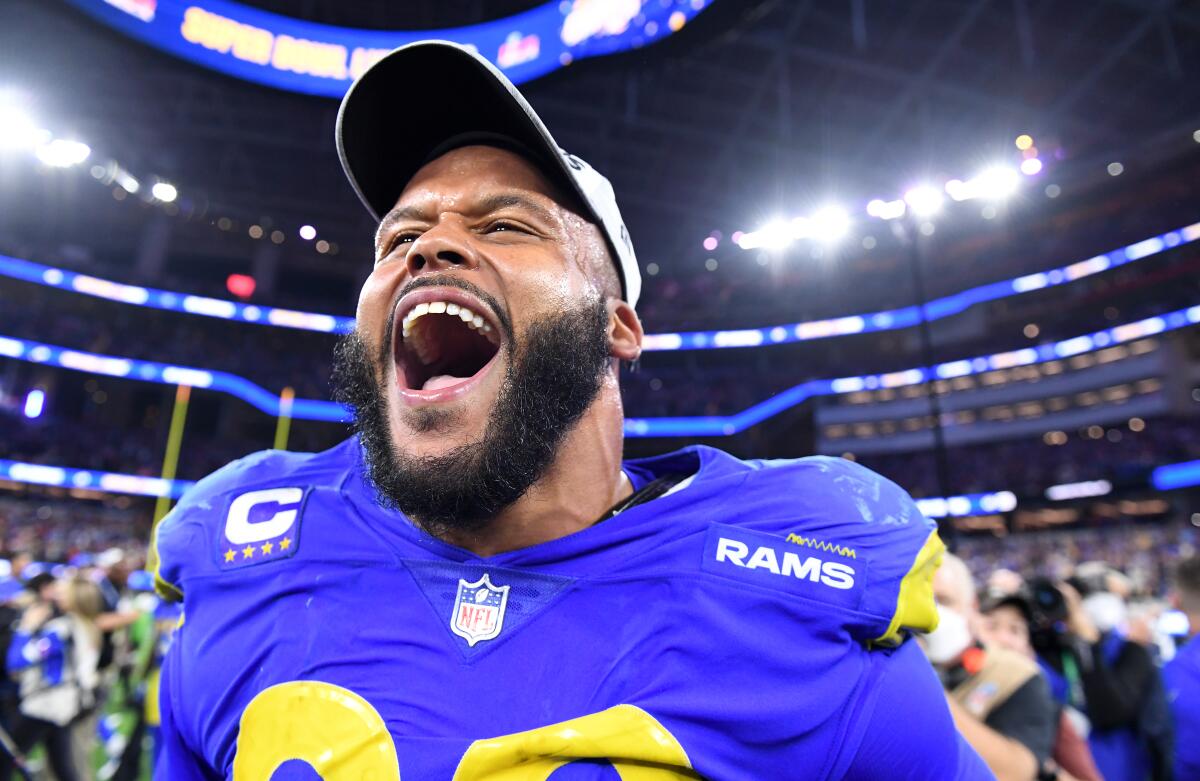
756, 107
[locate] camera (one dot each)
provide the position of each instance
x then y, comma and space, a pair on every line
1047, 615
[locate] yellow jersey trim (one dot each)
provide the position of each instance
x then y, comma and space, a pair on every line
915, 608
167, 590
829, 547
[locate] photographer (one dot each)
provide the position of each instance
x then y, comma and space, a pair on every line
1006, 623
998, 698
54, 652
1110, 683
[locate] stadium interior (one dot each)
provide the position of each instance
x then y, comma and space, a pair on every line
958, 243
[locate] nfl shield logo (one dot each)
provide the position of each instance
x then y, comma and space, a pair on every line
479, 610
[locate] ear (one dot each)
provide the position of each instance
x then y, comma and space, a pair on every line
624, 331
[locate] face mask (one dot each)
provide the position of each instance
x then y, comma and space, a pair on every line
950, 639
1107, 611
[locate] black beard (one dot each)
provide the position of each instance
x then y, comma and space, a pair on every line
548, 384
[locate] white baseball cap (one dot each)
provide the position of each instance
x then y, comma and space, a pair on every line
381, 144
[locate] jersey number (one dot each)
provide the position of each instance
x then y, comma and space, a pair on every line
342, 737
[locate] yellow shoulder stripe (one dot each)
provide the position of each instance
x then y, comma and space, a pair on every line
915, 608
167, 590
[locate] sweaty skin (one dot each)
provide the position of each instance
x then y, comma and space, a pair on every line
491, 218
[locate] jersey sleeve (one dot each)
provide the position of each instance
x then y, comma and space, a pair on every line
866, 521
909, 732
180, 543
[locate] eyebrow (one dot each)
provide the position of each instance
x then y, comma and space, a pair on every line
485, 205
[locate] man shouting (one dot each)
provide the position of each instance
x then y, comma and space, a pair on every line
475, 586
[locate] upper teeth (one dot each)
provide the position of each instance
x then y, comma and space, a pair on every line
473, 321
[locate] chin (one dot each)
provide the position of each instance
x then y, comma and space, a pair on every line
434, 430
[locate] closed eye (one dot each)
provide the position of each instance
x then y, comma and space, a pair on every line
400, 239
505, 226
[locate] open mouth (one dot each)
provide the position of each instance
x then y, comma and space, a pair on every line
443, 344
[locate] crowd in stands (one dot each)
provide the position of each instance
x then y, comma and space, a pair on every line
1028, 467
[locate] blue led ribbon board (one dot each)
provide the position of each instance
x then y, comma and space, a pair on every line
320, 59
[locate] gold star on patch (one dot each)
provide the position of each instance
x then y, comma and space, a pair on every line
285, 543
247, 552
230, 555
267, 546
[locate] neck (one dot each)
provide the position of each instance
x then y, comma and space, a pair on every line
584, 481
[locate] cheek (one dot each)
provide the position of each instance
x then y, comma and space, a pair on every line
373, 299
543, 288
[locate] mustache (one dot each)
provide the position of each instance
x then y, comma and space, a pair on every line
444, 280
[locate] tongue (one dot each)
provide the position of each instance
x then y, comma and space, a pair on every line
441, 381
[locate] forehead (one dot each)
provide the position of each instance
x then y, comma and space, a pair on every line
478, 170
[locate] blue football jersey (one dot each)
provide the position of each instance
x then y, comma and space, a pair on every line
750, 624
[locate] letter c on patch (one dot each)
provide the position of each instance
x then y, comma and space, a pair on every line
240, 531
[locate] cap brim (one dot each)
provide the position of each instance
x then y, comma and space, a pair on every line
414, 99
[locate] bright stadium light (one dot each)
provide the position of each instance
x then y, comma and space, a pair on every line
164, 191
126, 181
62, 153
18, 130
886, 210
925, 201
995, 183
776, 234
308, 232
829, 224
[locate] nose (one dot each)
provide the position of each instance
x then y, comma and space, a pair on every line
439, 248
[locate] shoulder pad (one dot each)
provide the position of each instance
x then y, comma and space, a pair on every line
182, 543
837, 507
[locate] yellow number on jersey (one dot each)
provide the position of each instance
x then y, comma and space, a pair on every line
334, 730
639, 748
343, 738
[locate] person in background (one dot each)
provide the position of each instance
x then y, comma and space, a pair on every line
54, 651
13, 598
999, 700
1182, 674
1006, 619
1094, 668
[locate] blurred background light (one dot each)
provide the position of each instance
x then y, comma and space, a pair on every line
830, 224
164, 192
308, 232
241, 285
18, 129
126, 181
886, 210
62, 153
924, 200
35, 403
